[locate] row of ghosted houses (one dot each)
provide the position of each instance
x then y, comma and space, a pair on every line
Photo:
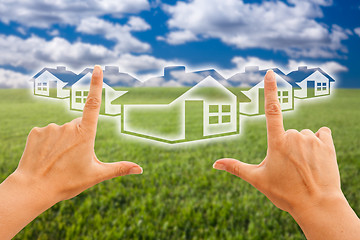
219, 109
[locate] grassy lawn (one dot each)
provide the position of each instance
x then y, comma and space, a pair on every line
179, 195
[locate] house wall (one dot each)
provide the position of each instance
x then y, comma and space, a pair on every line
110, 95
253, 107
61, 92
83, 84
45, 77
222, 96
160, 121
317, 77
221, 127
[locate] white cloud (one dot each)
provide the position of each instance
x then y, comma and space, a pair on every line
12, 79
331, 67
44, 13
178, 37
34, 52
54, 32
138, 24
357, 31
270, 25
121, 34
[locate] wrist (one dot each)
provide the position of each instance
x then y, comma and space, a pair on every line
332, 211
318, 204
33, 190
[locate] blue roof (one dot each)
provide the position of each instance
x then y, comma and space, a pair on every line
258, 74
301, 74
112, 77
61, 73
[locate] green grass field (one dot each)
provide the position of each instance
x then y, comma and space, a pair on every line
179, 195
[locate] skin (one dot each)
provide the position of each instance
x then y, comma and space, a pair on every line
299, 175
58, 163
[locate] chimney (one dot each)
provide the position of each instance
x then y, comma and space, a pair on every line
302, 68
169, 70
61, 68
111, 69
249, 69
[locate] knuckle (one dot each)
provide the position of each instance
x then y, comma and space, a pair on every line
273, 108
52, 126
292, 133
35, 131
236, 169
92, 103
271, 86
120, 171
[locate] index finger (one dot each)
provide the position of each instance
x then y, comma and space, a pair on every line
274, 120
93, 101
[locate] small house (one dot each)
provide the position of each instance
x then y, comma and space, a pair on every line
112, 77
178, 114
51, 82
255, 78
312, 82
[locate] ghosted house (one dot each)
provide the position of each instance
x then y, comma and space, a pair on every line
204, 108
311, 82
112, 77
51, 82
254, 78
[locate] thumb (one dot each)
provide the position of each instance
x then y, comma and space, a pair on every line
242, 170
116, 169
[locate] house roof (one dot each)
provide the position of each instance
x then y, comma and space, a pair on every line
177, 76
157, 90
253, 76
302, 73
166, 95
60, 72
112, 77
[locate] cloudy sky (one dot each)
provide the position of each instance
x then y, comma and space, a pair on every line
141, 37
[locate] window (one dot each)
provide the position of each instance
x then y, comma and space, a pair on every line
321, 86
42, 86
219, 114
80, 96
283, 96
324, 86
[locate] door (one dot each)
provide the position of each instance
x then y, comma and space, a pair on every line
194, 120
261, 101
52, 89
310, 88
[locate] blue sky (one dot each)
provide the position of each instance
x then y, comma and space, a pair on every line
142, 37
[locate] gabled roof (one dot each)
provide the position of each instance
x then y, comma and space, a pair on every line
303, 73
166, 95
60, 72
177, 76
112, 77
253, 76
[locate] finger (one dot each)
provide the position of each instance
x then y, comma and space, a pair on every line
116, 169
324, 134
242, 170
93, 101
274, 120
307, 132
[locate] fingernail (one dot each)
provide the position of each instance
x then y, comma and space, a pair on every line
135, 170
97, 70
219, 166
